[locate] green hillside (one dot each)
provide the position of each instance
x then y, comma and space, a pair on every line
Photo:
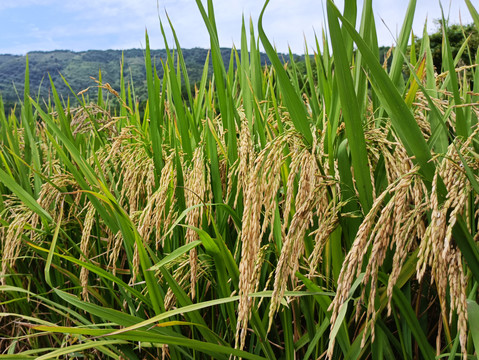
79, 67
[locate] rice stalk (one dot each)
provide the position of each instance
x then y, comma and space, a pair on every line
195, 186
85, 246
11, 243
250, 232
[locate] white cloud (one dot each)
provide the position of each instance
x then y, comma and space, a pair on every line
10, 4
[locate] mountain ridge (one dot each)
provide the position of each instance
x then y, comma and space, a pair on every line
77, 67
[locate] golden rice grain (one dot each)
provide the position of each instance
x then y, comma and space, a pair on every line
293, 245
85, 247
195, 191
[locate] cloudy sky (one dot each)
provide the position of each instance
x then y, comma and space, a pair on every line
27, 25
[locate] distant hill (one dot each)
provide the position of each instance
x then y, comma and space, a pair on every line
77, 67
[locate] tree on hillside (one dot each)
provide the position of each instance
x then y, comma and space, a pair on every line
456, 34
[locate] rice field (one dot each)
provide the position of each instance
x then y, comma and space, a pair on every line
266, 215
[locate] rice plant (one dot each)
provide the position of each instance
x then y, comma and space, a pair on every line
266, 215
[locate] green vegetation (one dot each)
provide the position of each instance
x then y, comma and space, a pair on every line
456, 35
263, 214
78, 67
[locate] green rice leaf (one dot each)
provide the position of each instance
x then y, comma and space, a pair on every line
146, 336
179, 311
401, 46
291, 99
154, 111
99, 271
467, 245
79, 347
24, 196
175, 254
402, 119
351, 115
52, 248
462, 128
410, 317
473, 11
473, 317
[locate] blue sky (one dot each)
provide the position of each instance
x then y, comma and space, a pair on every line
28, 25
